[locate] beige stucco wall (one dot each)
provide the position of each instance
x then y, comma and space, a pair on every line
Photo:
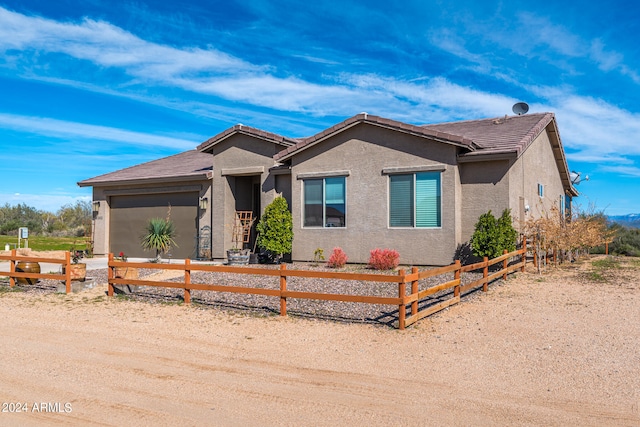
536, 165
364, 151
485, 186
500, 184
102, 194
237, 152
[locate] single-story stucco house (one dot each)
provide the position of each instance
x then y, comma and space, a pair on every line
365, 183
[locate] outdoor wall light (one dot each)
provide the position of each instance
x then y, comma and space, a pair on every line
204, 203
96, 205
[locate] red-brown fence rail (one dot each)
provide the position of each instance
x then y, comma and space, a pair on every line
14, 259
402, 301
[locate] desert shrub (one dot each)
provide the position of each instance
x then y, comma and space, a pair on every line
337, 259
159, 235
384, 259
318, 255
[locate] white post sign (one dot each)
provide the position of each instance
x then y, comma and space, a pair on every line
23, 234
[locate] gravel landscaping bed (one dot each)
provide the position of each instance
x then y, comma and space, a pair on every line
262, 305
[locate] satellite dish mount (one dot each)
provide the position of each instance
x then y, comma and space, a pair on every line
520, 108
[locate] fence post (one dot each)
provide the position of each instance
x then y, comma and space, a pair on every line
110, 275
402, 308
414, 291
456, 276
67, 271
524, 253
283, 288
505, 264
535, 252
187, 281
485, 274
12, 268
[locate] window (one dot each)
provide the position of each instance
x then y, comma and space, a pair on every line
415, 200
324, 202
540, 190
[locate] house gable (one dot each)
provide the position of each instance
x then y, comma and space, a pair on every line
380, 122
367, 156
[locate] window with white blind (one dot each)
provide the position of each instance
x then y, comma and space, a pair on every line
324, 202
415, 200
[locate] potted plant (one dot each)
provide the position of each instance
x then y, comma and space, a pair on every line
159, 236
275, 229
77, 269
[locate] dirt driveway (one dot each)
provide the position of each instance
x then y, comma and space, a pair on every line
559, 349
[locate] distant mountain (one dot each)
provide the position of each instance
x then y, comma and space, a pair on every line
630, 220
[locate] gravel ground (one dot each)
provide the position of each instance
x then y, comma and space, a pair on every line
262, 305
554, 349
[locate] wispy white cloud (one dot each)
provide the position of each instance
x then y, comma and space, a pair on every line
609, 60
629, 171
81, 131
598, 127
534, 31
590, 127
531, 37
110, 46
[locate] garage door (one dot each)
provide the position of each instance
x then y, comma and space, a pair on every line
130, 215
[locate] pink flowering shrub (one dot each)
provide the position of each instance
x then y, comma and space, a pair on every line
337, 259
384, 259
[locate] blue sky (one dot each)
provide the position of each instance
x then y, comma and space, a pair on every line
89, 87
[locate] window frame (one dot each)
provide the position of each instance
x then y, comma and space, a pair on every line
414, 200
323, 179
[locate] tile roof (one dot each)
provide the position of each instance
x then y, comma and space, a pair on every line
508, 134
189, 165
247, 130
434, 134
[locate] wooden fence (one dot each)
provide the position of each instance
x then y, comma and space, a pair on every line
406, 316
14, 259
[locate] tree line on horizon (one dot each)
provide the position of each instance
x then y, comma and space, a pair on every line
71, 220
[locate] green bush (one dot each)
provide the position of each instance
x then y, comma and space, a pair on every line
492, 236
508, 234
275, 228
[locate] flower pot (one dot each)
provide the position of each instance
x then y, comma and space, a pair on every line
238, 256
27, 267
130, 273
78, 272
126, 273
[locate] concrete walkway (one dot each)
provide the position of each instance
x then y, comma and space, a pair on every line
100, 262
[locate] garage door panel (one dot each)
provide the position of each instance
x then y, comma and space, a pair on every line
130, 215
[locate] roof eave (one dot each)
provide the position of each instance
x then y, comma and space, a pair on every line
140, 181
486, 157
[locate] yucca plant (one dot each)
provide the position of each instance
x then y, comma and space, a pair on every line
159, 236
